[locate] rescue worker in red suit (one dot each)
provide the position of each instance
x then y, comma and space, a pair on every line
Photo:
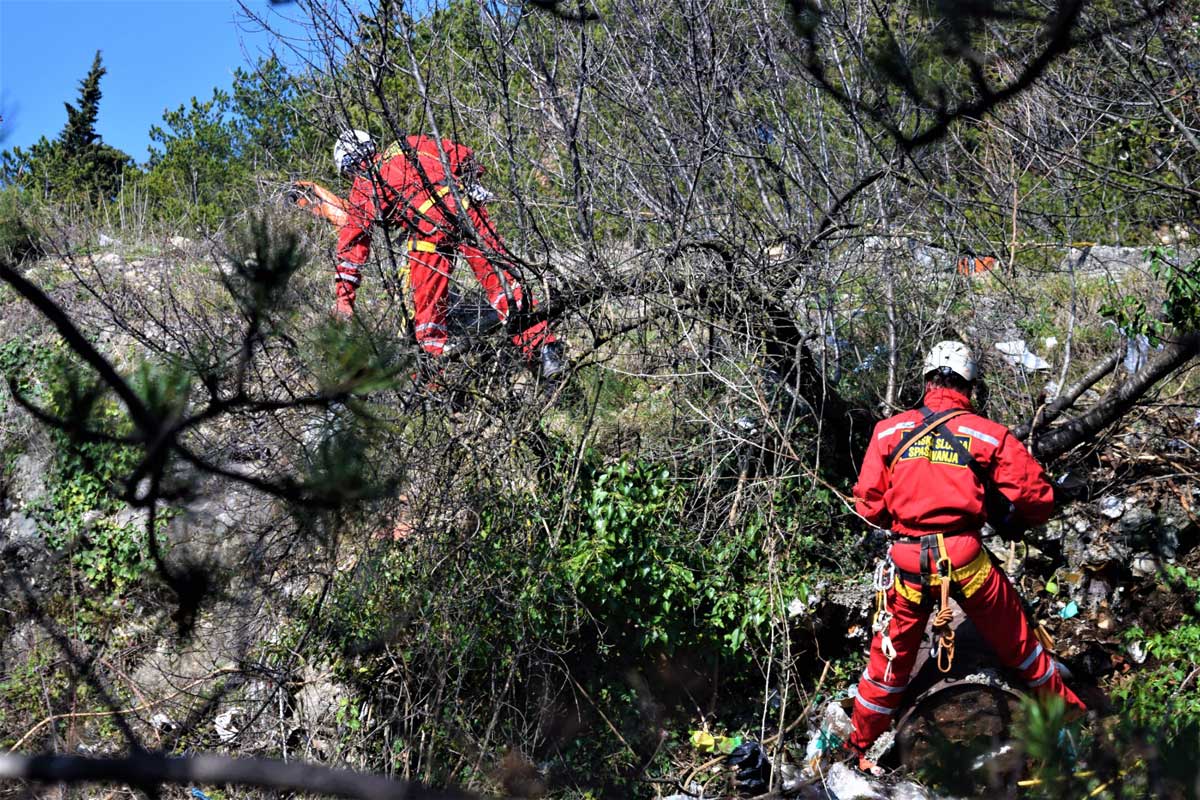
929, 490
413, 189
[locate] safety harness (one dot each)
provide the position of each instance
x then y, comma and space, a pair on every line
422, 245
937, 570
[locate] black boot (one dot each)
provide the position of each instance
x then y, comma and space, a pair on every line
553, 359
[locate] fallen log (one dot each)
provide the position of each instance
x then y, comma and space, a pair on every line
1176, 354
1067, 397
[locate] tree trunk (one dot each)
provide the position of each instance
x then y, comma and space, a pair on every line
1118, 401
1067, 397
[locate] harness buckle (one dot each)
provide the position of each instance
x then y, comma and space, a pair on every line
945, 568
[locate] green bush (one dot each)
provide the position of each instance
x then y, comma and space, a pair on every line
19, 237
630, 563
631, 583
1152, 699
83, 484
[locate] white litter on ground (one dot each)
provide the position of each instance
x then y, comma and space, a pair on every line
1017, 354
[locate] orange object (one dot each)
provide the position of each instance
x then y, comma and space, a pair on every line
973, 265
320, 201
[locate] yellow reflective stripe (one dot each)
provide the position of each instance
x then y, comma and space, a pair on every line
421, 246
907, 592
428, 204
975, 574
970, 577
395, 148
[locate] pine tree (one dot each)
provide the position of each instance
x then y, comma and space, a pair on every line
77, 165
80, 131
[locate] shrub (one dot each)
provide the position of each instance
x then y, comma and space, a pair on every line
19, 238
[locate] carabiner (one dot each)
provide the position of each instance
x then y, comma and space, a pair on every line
885, 574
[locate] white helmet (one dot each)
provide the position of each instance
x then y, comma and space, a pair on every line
350, 149
954, 356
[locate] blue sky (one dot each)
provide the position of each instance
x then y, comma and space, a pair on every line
159, 54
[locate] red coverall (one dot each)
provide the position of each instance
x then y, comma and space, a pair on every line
396, 191
931, 492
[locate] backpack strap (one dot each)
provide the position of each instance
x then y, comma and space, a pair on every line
931, 422
998, 508
965, 454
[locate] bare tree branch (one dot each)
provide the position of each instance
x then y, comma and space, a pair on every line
1175, 355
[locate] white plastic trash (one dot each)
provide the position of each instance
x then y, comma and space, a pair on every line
833, 729
1017, 354
1137, 350
910, 791
846, 784
225, 726
1112, 507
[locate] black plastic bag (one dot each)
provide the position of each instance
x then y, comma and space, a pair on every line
753, 768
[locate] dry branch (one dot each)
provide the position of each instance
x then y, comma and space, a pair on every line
1067, 398
1174, 355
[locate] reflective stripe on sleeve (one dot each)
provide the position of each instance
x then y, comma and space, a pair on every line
992, 440
1028, 662
899, 426
421, 246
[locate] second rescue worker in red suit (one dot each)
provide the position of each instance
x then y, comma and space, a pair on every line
413, 189
929, 490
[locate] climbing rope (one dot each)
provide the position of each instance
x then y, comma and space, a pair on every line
943, 637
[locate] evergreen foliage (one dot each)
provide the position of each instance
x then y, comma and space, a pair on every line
76, 167
728, 235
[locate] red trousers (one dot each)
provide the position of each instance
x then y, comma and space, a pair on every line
431, 263
992, 605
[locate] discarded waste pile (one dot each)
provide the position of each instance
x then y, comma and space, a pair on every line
1112, 579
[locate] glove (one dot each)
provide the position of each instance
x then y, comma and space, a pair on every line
470, 170
1002, 514
479, 195
1069, 487
345, 288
